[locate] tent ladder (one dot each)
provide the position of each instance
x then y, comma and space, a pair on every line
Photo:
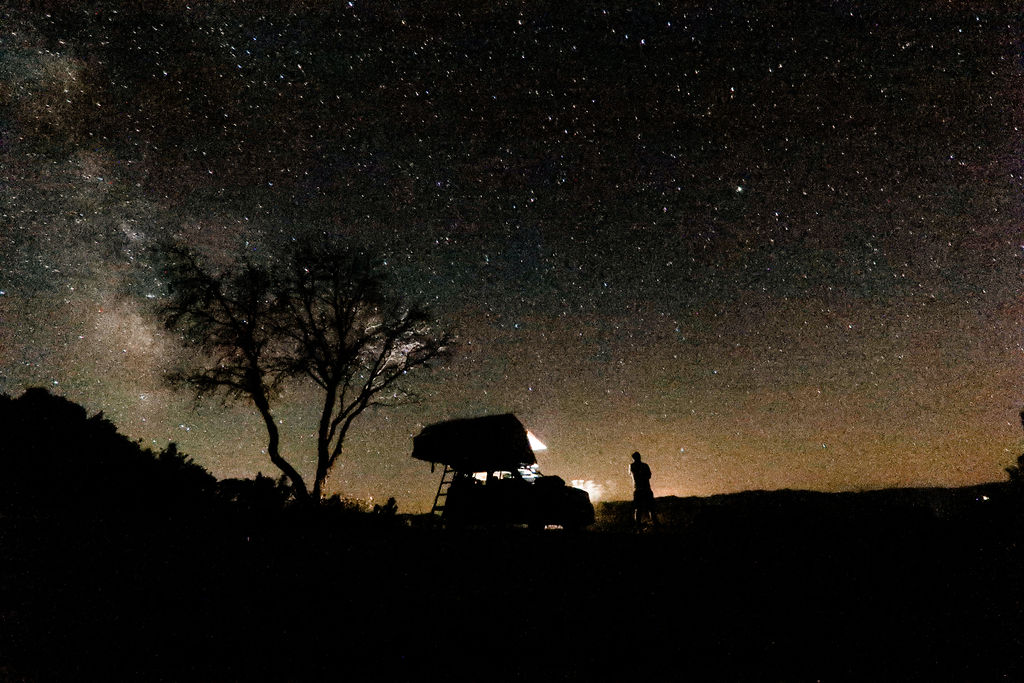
442, 491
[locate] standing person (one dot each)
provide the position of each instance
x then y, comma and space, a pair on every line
643, 496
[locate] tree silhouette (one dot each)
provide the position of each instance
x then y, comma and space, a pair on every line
318, 315
1016, 472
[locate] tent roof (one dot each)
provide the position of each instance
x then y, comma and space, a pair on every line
477, 444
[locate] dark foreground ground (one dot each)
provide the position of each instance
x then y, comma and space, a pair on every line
727, 592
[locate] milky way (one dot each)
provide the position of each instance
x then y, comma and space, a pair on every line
766, 247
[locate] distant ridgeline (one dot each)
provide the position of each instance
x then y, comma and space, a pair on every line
53, 457
796, 511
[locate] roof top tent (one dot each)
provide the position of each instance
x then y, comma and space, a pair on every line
477, 444
490, 476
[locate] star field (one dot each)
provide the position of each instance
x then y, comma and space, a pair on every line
766, 247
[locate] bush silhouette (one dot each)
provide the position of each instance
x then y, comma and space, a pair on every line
261, 497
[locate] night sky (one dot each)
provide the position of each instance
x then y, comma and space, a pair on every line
766, 247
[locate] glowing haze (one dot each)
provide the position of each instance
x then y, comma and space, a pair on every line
766, 247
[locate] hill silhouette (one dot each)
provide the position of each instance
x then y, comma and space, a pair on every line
55, 458
121, 563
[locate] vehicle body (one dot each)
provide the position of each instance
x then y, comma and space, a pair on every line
491, 476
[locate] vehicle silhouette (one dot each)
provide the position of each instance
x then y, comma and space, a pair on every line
491, 476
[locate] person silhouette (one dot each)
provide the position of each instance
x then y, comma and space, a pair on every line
643, 496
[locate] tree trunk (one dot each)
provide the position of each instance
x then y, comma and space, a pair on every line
323, 445
321, 477
274, 439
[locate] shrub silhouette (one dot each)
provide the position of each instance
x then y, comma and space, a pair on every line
261, 497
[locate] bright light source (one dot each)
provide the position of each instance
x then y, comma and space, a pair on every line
593, 489
535, 443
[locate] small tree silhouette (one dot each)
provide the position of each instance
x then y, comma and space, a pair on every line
319, 315
1016, 472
